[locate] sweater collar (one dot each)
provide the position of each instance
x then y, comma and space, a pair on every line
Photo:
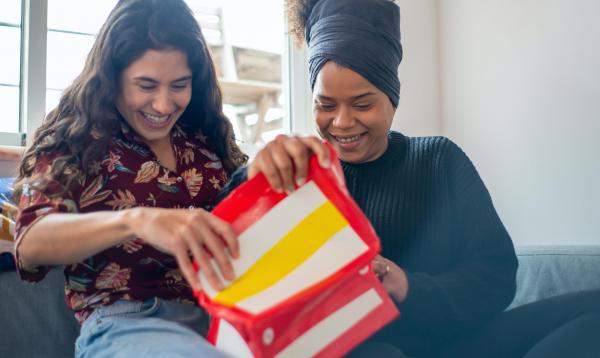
396, 146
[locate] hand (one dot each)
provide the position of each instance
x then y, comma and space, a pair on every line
284, 161
180, 232
391, 276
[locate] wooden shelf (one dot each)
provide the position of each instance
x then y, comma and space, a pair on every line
247, 91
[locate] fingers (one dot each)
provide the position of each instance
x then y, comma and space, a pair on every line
225, 231
319, 148
206, 267
264, 163
380, 266
284, 161
216, 247
185, 265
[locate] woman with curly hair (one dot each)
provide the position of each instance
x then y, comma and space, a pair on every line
118, 180
447, 260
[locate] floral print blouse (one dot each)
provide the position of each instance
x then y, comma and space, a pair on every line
128, 176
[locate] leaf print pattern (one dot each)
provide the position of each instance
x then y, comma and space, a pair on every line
79, 283
213, 165
193, 180
166, 180
112, 161
148, 172
113, 277
210, 155
123, 200
77, 301
95, 168
201, 137
92, 194
151, 198
168, 188
215, 182
123, 169
187, 156
175, 280
215, 161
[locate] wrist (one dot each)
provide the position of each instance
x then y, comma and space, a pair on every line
129, 222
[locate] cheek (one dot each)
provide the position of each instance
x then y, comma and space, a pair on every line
132, 101
322, 121
184, 98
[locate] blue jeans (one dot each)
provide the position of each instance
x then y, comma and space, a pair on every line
154, 328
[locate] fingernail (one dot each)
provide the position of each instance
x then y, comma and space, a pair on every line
300, 181
290, 189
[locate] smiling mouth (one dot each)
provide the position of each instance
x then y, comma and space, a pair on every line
348, 139
156, 119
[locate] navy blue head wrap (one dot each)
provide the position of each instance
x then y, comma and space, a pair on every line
362, 35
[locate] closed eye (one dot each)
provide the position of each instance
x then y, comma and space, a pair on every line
326, 106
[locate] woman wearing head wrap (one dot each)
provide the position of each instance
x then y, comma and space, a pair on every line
447, 260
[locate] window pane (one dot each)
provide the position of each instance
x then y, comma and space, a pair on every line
10, 48
10, 11
9, 102
66, 57
248, 54
85, 16
52, 98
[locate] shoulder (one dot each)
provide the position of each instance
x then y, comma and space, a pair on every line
438, 150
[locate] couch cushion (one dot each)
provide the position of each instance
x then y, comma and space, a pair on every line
34, 318
546, 271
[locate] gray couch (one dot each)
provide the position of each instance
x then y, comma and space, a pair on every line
36, 323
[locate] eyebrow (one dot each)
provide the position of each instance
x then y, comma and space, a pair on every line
150, 79
360, 96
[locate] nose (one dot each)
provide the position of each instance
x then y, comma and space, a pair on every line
343, 118
163, 103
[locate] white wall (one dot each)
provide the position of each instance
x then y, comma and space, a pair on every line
520, 92
419, 109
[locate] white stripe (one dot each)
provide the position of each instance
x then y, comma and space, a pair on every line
231, 342
329, 329
260, 237
340, 250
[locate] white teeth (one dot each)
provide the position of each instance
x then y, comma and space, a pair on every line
155, 119
348, 139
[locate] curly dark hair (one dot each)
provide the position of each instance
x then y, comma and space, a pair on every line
298, 12
87, 114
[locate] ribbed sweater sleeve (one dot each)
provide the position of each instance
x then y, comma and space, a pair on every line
480, 282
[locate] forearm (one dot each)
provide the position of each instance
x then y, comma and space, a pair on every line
67, 238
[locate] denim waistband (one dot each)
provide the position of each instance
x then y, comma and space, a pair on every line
122, 307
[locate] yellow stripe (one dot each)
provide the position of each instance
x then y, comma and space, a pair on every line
298, 245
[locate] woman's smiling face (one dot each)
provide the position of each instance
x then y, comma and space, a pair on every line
351, 113
155, 90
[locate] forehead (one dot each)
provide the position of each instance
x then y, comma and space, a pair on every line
337, 81
159, 64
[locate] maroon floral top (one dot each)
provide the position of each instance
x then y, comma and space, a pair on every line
128, 176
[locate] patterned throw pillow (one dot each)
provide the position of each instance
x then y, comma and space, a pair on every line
7, 224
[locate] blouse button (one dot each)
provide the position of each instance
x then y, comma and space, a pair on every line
179, 179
